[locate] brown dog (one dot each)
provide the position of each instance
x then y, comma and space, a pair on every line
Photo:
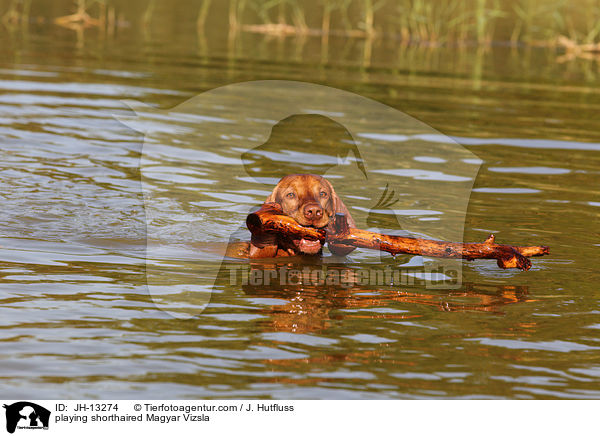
312, 202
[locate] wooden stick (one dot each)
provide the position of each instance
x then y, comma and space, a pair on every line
270, 219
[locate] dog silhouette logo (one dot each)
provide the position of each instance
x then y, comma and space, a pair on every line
26, 415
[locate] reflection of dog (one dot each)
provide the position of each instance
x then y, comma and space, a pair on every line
24, 410
310, 298
312, 202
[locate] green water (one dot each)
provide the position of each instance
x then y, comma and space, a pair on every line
76, 315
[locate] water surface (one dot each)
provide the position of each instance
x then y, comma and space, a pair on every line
76, 316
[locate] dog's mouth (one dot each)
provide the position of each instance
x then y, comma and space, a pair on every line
308, 246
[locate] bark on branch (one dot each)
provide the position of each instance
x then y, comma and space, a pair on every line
270, 219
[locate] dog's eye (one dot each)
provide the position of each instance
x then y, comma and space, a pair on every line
323, 194
290, 195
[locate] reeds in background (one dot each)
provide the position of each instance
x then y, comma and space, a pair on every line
421, 22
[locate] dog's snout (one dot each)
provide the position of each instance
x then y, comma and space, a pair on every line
313, 211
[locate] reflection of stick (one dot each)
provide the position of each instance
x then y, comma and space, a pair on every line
80, 18
575, 50
571, 45
269, 219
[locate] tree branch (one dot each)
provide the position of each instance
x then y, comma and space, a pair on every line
270, 219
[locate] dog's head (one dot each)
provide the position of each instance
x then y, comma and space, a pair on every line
311, 201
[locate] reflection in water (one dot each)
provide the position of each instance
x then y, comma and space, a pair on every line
314, 292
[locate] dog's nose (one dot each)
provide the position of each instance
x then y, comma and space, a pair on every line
313, 211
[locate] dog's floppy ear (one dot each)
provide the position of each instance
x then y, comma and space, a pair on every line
338, 204
339, 207
272, 198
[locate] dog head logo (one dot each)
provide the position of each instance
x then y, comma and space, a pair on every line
303, 143
207, 161
26, 415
